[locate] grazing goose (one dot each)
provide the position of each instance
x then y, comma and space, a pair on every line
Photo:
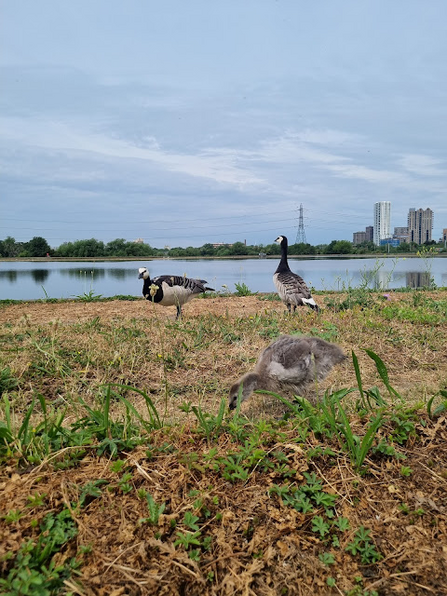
291, 287
171, 290
289, 364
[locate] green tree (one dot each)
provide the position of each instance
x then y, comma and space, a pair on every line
207, 250
117, 248
403, 247
139, 249
238, 248
81, 248
339, 247
37, 247
272, 249
10, 248
302, 249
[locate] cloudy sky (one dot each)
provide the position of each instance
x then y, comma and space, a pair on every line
191, 122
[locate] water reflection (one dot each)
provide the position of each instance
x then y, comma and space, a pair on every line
378, 280
418, 279
122, 273
84, 274
40, 275
10, 276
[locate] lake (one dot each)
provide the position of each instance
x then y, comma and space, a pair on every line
28, 280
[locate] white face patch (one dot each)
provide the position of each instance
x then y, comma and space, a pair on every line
279, 239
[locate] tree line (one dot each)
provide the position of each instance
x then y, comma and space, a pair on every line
39, 247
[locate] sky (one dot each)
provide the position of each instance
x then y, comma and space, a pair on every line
184, 123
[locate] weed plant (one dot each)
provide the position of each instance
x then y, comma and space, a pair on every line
243, 290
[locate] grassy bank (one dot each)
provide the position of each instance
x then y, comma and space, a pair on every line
123, 473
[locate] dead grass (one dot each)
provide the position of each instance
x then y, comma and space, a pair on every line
139, 344
258, 545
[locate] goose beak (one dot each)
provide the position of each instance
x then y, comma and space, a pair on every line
140, 276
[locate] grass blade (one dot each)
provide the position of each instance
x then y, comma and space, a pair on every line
383, 372
23, 434
367, 440
358, 376
151, 408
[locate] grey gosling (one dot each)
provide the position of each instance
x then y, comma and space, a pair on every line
171, 290
289, 364
292, 288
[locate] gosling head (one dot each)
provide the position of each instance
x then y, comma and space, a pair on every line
245, 387
143, 273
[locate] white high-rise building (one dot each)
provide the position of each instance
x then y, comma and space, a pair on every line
382, 221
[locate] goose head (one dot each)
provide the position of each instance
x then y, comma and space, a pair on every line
280, 239
143, 273
245, 387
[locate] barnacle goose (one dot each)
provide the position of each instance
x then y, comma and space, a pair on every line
291, 288
171, 290
289, 364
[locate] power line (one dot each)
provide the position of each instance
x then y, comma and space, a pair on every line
152, 221
309, 218
168, 229
182, 223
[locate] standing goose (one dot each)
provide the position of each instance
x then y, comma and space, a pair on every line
289, 364
171, 290
292, 288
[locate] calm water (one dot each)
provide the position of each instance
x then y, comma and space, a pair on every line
30, 281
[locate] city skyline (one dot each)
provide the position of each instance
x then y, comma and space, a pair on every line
418, 229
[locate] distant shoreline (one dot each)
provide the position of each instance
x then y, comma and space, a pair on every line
206, 258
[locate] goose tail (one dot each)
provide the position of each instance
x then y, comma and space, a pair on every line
311, 302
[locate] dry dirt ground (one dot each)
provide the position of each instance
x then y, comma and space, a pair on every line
252, 542
258, 544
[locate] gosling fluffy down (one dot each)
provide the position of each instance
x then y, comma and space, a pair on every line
288, 365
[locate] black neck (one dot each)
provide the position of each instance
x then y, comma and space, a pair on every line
146, 284
283, 264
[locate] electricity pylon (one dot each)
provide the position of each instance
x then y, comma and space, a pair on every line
301, 233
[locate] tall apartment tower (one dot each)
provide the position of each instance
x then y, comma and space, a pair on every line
359, 237
382, 221
420, 225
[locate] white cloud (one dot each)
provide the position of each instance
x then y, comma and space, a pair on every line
220, 166
423, 165
291, 148
367, 174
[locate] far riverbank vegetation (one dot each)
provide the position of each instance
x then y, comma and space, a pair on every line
39, 247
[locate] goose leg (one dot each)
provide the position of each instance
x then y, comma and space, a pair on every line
179, 312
